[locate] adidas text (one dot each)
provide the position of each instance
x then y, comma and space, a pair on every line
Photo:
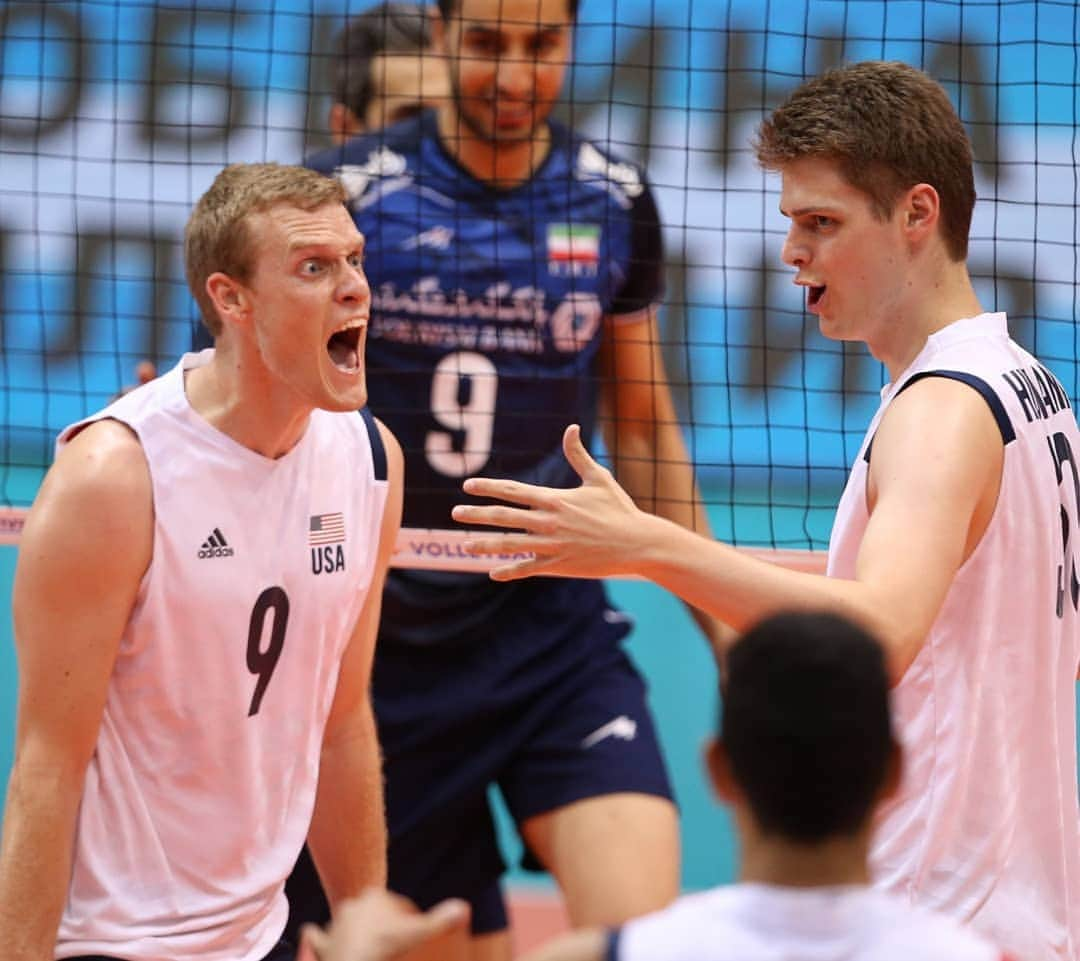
216, 552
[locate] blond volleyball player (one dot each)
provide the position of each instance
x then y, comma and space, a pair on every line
195, 607
956, 538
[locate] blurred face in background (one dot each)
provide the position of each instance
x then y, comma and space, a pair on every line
403, 84
507, 60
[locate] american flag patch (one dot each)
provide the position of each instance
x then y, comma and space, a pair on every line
326, 529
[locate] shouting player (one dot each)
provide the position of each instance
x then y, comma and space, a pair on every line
195, 608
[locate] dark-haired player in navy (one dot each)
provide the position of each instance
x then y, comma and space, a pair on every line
515, 270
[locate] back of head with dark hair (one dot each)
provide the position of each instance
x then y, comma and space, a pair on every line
389, 27
447, 8
805, 724
889, 126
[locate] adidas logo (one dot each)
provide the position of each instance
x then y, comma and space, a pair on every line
215, 546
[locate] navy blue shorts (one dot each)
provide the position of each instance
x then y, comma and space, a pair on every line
567, 721
547, 706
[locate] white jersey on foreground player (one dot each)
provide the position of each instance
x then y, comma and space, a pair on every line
956, 539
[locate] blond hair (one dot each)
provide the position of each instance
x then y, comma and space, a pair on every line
218, 235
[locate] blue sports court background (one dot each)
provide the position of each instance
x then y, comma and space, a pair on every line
115, 115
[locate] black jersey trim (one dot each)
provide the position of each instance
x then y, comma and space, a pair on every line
980, 386
611, 950
378, 451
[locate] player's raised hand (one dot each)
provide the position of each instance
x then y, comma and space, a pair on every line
586, 531
379, 926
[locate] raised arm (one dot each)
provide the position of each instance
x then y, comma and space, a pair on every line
934, 478
73, 596
347, 836
643, 435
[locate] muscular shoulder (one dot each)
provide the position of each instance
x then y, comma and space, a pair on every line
104, 460
97, 492
939, 418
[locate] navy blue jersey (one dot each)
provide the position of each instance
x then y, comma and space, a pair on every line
487, 313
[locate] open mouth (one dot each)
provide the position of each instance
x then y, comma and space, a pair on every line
813, 295
344, 349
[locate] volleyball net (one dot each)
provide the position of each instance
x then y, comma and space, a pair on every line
115, 115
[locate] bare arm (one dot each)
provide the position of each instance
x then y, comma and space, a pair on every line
642, 434
347, 836
928, 510
72, 600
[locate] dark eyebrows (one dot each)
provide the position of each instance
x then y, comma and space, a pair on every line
474, 28
480, 29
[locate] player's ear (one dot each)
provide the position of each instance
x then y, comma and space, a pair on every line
921, 210
230, 298
438, 29
719, 767
894, 773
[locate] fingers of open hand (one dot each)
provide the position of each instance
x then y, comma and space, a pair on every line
516, 570
512, 518
578, 457
507, 546
513, 492
446, 915
313, 943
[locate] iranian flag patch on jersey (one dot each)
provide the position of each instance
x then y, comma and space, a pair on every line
573, 243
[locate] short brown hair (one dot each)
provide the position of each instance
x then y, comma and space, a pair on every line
218, 235
889, 127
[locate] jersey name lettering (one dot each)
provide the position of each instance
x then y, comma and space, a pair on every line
1038, 391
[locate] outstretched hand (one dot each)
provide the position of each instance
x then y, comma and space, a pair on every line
586, 531
379, 926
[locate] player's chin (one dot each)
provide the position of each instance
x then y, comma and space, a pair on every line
517, 132
344, 390
343, 402
513, 127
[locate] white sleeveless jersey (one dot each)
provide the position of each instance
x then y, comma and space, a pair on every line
760, 922
201, 788
986, 826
